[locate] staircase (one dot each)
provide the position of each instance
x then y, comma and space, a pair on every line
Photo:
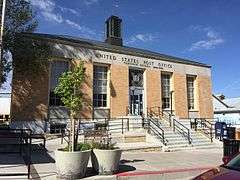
200, 140
178, 140
174, 141
128, 132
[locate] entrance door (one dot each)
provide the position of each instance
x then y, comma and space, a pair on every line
136, 101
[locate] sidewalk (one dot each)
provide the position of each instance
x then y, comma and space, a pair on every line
134, 165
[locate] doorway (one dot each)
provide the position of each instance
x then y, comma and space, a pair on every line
136, 91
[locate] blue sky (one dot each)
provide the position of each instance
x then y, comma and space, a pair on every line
203, 30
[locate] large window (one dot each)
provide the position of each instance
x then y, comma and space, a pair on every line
190, 91
57, 68
100, 86
166, 97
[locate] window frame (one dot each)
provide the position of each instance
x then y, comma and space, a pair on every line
100, 100
51, 94
166, 100
191, 92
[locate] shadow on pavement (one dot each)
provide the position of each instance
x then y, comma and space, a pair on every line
40, 155
126, 168
124, 161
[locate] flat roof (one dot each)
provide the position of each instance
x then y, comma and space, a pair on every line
98, 45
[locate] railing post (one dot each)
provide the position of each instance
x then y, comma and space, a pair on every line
148, 125
142, 122
195, 124
174, 125
29, 155
163, 138
189, 141
128, 124
159, 112
122, 125
211, 134
170, 120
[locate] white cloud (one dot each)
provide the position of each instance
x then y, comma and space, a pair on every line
52, 17
48, 10
212, 39
72, 11
83, 29
46, 5
206, 44
147, 37
90, 2
52, 12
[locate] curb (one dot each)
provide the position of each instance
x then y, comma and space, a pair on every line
177, 170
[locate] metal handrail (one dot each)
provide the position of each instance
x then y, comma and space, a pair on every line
160, 114
182, 130
204, 124
168, 117
158, 131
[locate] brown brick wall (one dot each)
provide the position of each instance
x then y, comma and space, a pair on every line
30, 95
204, 96
87, 110
180, 95
153, 85
119, 90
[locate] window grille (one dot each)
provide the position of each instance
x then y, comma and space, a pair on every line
57, 69
190, 91
100, 86
166, 90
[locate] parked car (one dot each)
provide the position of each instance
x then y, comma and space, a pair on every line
229, 170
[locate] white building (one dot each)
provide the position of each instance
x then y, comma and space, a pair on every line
5, 103
227, 109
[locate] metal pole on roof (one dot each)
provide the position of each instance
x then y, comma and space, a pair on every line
1, 31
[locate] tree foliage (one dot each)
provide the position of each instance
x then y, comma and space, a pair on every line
30, 55
19, 17
69, 88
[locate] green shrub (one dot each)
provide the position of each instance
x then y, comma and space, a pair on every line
105, 146
79, 147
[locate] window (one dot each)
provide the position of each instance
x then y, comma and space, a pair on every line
190, 91
166, 90
100, 86
57, 68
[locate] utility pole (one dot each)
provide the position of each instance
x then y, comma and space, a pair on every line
1, 35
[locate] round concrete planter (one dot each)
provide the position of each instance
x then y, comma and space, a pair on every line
106, 162
71, 165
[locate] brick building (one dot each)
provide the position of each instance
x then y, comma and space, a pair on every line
120, 81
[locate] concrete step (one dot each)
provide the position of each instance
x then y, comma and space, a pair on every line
139, 146
174, 139
208, 147
201, 140
176, 143
203, 144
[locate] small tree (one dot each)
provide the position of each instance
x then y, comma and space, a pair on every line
69, 90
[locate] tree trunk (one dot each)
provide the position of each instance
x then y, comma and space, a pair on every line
73, 131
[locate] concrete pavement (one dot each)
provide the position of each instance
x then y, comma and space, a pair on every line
134, 165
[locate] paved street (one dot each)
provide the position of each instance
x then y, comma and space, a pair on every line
135, 165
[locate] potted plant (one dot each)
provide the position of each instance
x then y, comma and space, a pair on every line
71, 162
105, 158
72, 165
